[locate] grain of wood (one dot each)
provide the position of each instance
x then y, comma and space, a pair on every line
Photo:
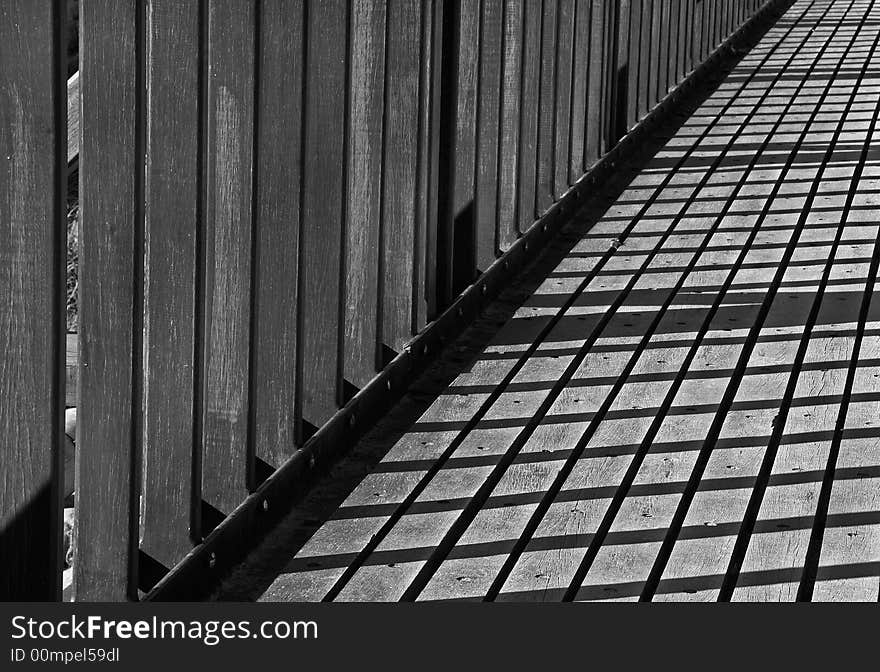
528, 144
278, 192
73, 117
400, 164
171, 207
511, 122
32, 182
595, 83
580, 84
364, 190
110, 225
564, 69
487, 167
321, 228
228, 253
546, 171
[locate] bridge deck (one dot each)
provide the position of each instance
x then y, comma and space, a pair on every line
687, 407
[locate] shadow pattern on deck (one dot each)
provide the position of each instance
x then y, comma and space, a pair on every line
683, 405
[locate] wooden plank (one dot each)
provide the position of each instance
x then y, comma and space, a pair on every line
73, 117
111, 221
546, 110
634, 39
171, 216
398, 232
434, 105
607, 76
620, 75
488, 130
663, 53
644, 104
581, 76
511, 118
364, 190
697, 32
72, 372
564, 64
459, 234
322, 216
32, 252
227, 250
673, 44
528, 144
682, 68
427, 180
657, 37
278, 200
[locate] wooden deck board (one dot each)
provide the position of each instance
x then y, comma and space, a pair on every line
685, 408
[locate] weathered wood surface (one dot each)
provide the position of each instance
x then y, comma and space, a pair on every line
686, 414
171, 187
228, 255
111, 242
73, 117
32, 252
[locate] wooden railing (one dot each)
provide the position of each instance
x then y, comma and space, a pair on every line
276, 198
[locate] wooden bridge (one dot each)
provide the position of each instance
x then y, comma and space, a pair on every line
479, 300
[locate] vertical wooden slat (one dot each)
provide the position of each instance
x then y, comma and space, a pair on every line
278, 188
426, 202
634, 61
509, 149
663, 57
399, 170
581, 75
462, 62
674, 39
111, 221
364, 188
33, 147
227, 238
609, 79
547, 110
595, 84
656, 47
620, 72
321, 228
682, 43
531, 81
645, 57
171, 212
488, 107
434, 116
564, 65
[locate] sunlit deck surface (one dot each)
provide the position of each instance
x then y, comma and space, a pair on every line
688, 406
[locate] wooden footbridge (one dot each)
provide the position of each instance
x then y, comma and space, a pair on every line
563, 300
